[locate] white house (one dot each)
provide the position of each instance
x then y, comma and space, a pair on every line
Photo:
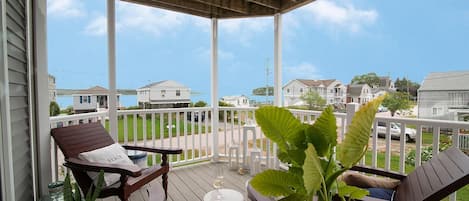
236, 101
52, 89
92, 100
444, 96
333, 91
359, 93
164, 94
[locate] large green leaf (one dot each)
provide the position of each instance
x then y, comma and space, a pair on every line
276, 183
312, 171
323, 133
354, 146
294, 197
327, 126
320, 141
279, 125
351, 192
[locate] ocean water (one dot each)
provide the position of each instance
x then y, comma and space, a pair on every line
126, 101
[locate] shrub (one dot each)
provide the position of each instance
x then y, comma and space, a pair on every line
54, 109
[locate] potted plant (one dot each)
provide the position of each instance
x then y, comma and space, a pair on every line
70, 195
314, 156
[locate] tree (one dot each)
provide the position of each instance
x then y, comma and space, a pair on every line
397, 101
54, 109
313, 99
370, 78
200, 104
408, 86
261, 91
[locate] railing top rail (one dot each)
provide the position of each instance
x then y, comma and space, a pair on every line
426, 122
163, 110
337, 114
77, 116
239, 108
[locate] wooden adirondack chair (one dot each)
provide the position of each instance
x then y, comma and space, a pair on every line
73, 140
434, 180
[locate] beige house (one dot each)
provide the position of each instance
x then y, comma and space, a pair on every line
52, 88
333, 91
236, 101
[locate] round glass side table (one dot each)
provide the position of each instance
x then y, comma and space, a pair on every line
226, 194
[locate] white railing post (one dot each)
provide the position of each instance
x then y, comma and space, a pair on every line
278, 60
214, 88
111, 33
351, 109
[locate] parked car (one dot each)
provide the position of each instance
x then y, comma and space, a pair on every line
382, 109
395, 130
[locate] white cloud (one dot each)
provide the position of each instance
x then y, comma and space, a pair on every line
148, 19
342, 16
133, 17
65, 8
97, 27
244, 29
302, 71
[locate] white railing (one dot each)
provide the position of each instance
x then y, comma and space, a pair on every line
190, 129
185, 128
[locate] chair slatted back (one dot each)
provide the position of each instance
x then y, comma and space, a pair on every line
73, 140
437, 178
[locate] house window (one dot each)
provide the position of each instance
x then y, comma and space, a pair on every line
163, 92
288, 90
178, 92
436, 111
301, 90
85, 99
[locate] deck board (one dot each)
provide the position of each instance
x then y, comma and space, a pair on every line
190, 183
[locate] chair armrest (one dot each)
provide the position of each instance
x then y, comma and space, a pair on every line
380, 172
154, 150
83, 165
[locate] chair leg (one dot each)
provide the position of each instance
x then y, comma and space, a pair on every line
165, 185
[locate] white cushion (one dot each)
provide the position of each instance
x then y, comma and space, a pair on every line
112, 154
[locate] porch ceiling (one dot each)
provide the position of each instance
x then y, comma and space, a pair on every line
225, 8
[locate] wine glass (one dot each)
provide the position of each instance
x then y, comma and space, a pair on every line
218, 181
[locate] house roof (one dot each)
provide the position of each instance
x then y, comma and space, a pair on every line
96, 90
455, 80
355, 89
164, 83
225, 8
316, 83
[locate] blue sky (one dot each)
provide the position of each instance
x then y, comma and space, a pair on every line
327, 39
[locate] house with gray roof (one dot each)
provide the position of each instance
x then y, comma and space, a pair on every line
359, 93
93, 99
164, 94
445, 96
333, 91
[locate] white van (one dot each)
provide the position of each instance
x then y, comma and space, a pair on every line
395, 130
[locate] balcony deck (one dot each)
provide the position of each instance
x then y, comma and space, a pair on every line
190, 183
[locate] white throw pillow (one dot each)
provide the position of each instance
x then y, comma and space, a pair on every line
112, 154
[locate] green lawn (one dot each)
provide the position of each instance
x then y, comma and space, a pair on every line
139, 134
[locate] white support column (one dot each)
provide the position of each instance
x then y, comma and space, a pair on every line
42, 129
111, 44
278, 60
214, 88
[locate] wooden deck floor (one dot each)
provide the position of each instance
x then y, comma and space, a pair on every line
190, 183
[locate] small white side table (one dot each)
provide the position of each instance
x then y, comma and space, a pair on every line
227, 194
